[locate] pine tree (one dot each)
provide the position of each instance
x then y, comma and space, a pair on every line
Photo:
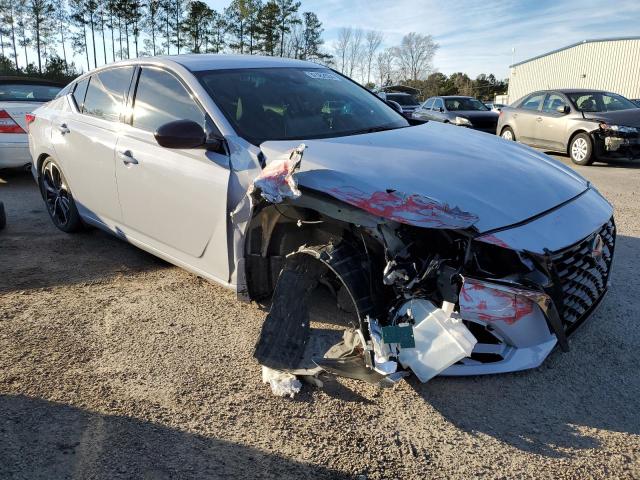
196, 23
268, 28
286, 17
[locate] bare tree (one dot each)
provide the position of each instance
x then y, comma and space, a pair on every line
355, 51
384, 64
373, 40
342, 46
415, 55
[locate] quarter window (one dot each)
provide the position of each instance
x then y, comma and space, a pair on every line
533, 102
106, 92
80, 91
161, 98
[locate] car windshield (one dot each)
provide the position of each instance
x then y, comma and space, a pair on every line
600, 102
464, 104
27, 92
296, 103
402, 98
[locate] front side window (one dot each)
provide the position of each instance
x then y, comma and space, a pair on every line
106, 92
533, 102
438, 104
464, 104
27, 92
161, 98
600, 102
553, 102
296, 103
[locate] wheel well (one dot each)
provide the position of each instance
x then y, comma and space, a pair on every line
505, 127
40, 161
278, 230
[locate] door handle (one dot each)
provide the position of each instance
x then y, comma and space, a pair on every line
63, 128
127, 158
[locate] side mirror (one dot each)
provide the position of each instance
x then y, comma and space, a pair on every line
563, 109
395, 105
441, 110
180, 134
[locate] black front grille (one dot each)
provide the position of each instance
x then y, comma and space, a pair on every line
582, 274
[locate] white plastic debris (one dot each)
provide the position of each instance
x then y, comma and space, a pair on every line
381, 351
282, 383
276, 181
440, 339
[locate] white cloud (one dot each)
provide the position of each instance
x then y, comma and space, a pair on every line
477, 36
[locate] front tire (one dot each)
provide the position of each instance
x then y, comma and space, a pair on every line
507, 134
58, 198
581, 149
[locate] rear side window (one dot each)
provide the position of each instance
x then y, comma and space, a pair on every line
27, 92
80, 91
533, 102
106, 92
161, 98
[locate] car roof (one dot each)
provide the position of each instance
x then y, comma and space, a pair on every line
213, 61
453, 96
29, 80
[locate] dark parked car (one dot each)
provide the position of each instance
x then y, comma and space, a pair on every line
587, 124
636, 101
407, 102
463, 111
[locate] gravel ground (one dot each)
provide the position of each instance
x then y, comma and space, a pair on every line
114, 364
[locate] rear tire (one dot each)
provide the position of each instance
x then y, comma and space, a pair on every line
507, 134
58, 198
581, 149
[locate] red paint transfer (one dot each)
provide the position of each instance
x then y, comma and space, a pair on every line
493, 240
480, 301
414, 210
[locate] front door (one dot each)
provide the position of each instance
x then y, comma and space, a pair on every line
173, 200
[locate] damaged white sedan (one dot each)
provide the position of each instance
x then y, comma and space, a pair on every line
454, 252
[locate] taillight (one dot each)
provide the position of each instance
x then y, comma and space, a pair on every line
29, 118
8, 124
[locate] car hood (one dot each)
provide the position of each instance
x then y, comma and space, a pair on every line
434, 175
628, 118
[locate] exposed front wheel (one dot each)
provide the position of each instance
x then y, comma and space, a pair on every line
57, 197
507, 134
581, 149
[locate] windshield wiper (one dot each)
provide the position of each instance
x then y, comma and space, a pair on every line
380, 128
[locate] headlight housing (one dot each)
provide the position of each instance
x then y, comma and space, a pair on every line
463, 121
618, 128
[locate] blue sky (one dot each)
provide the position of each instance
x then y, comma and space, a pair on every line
477, 36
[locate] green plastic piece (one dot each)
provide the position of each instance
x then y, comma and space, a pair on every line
402, 334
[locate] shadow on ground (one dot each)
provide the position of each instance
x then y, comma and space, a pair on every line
595, 385
35, 254
44, 440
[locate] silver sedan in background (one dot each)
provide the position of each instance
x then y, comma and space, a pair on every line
589, 125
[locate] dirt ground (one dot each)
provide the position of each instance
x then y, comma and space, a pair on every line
114, 364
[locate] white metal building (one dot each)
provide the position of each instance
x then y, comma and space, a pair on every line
611, 64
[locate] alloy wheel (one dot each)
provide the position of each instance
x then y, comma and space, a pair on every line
579, 149
507, 135
56, 193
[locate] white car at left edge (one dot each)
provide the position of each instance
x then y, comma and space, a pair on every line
19, 96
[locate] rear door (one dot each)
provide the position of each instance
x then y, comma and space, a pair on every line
552, 129
174, 200
528, 118
85, 139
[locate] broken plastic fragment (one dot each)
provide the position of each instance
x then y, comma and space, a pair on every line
276, 181
382, 352
282, 384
